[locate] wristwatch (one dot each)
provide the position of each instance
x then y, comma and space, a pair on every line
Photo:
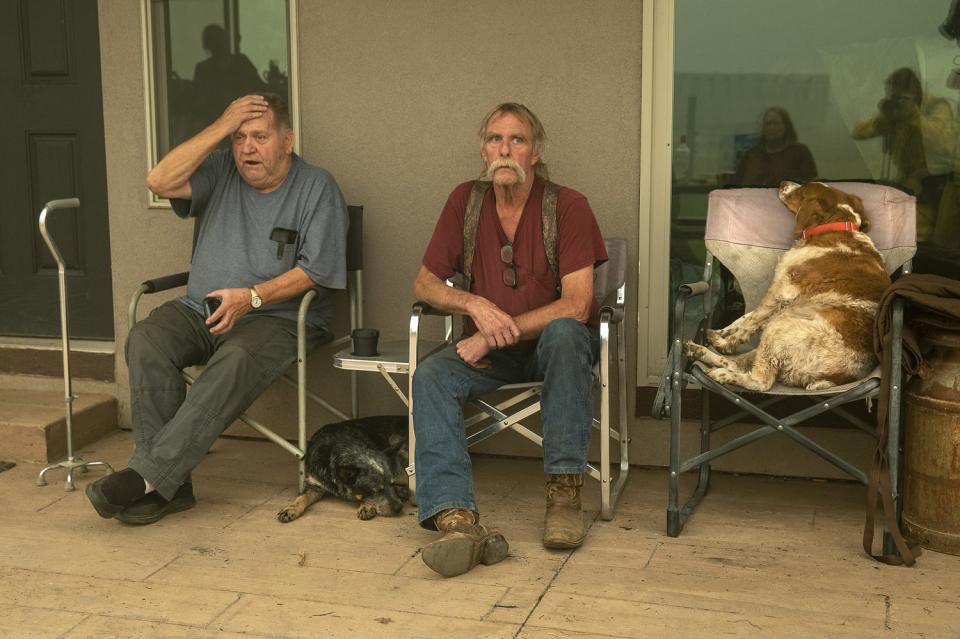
255, 300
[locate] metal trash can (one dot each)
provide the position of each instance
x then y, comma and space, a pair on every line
931, 492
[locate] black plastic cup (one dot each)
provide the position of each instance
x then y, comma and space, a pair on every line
365, 342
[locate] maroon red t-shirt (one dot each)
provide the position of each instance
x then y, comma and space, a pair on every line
579, 244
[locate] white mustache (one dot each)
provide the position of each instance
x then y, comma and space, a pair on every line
506, 163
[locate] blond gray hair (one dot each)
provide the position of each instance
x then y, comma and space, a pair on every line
536, 128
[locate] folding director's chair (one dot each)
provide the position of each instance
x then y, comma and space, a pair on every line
355, 294
610, 290
748, 230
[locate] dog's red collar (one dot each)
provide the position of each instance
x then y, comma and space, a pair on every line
832, 226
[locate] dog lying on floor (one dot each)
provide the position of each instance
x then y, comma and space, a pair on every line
817, 317
360, 460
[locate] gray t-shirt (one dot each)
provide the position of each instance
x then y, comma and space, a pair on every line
234, 224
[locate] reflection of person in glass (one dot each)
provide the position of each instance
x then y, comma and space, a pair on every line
222, 77
777, 156
919, 135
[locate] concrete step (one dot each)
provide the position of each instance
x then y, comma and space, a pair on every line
92, 360
33, 425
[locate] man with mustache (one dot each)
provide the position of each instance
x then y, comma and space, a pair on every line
527, 248
269, 227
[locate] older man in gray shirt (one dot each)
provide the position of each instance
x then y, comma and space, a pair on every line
269, 228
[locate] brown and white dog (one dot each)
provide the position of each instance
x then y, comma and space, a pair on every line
817, 317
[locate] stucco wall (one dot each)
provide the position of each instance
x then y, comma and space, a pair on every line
391, 95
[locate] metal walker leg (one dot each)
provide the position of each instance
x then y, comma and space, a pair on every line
71, 463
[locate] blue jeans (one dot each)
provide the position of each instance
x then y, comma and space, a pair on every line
563, 359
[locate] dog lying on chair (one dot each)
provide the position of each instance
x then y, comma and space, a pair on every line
360, 460
817, 317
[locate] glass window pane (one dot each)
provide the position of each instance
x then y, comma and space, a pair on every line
206, 53
764, 92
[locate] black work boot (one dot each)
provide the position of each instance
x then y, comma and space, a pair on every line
463, 544
114, 492
153, 507
563, 522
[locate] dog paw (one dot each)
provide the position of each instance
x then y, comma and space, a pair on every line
721, 342
366, 511
287, 515
693, 350
721, 375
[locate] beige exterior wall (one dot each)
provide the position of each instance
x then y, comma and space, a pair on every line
391, 96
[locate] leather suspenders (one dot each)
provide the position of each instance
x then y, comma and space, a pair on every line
548, 221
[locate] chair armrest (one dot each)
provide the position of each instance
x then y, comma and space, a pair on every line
165, 283
155, 285
693, 289
611, 314
426, 309
684, 293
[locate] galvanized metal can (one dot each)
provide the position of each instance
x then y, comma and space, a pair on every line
931, 491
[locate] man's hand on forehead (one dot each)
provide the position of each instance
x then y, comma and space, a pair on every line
249, 107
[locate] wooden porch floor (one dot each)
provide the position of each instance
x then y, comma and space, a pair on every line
761, 557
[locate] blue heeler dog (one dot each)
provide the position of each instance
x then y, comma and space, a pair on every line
360, 460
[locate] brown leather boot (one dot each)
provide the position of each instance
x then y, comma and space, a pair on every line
563, 524
463, 544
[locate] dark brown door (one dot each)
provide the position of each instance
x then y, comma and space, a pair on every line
51, 125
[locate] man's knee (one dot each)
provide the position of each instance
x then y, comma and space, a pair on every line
141, 340
430, 374
565, 333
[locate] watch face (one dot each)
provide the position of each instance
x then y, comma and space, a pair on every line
255, 300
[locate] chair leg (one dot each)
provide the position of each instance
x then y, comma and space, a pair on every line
674, 524
893, 455
703, 483
616, 489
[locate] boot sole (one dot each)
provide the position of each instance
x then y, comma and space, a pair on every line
452, 557
100, 503
558, 544
174, 506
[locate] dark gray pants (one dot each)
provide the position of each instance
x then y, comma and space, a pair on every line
173, 430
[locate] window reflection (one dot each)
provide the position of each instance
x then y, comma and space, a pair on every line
206, 53
763, 93
776, 155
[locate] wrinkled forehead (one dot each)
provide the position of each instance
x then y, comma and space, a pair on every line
507, 122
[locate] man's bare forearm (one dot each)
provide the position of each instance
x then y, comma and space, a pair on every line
497, 327
533, 322
172, 173
431, 289
574, 303
285, 286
